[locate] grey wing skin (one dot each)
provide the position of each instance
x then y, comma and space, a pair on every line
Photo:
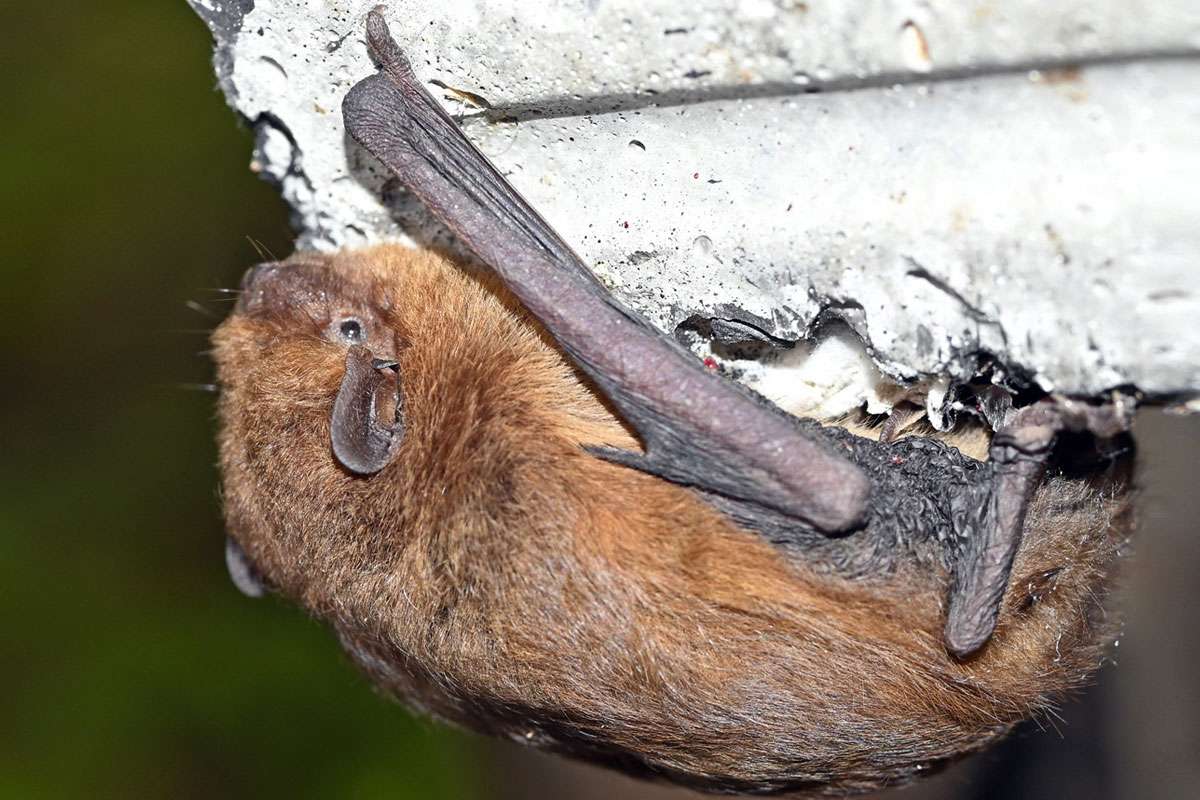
698, 429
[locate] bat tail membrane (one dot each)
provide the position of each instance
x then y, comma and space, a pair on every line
698, 428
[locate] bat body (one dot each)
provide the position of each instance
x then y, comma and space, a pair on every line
524, 511
498, 575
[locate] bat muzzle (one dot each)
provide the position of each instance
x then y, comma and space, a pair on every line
279, 285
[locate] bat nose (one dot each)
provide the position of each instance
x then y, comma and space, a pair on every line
257, 273
254, 280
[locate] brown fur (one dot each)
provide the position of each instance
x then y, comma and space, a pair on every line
497, 576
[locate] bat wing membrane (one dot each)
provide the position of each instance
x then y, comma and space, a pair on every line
697, 428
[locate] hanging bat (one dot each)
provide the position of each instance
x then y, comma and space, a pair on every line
526, 511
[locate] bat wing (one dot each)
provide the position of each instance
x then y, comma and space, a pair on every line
1018, 457
697, 428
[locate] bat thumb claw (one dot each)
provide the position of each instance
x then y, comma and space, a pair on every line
383, 47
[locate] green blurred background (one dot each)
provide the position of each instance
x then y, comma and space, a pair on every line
130, 666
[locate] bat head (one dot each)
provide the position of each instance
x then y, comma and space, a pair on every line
311, 403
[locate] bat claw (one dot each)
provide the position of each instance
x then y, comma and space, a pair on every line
383, 47
903, 415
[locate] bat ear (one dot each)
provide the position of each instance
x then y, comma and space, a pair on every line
242, 572
360, 443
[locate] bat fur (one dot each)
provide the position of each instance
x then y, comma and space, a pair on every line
497, 575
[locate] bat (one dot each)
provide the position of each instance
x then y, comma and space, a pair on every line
524, 510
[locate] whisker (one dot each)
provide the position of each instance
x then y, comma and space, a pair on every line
199, 309
260, 248
1054, 718
220, 290
210, 388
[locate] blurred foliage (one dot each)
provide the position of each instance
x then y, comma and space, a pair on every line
132, 667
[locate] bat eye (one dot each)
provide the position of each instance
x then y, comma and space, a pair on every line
351, 331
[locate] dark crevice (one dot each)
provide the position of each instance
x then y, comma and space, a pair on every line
574, 106
266, 120
973, 311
